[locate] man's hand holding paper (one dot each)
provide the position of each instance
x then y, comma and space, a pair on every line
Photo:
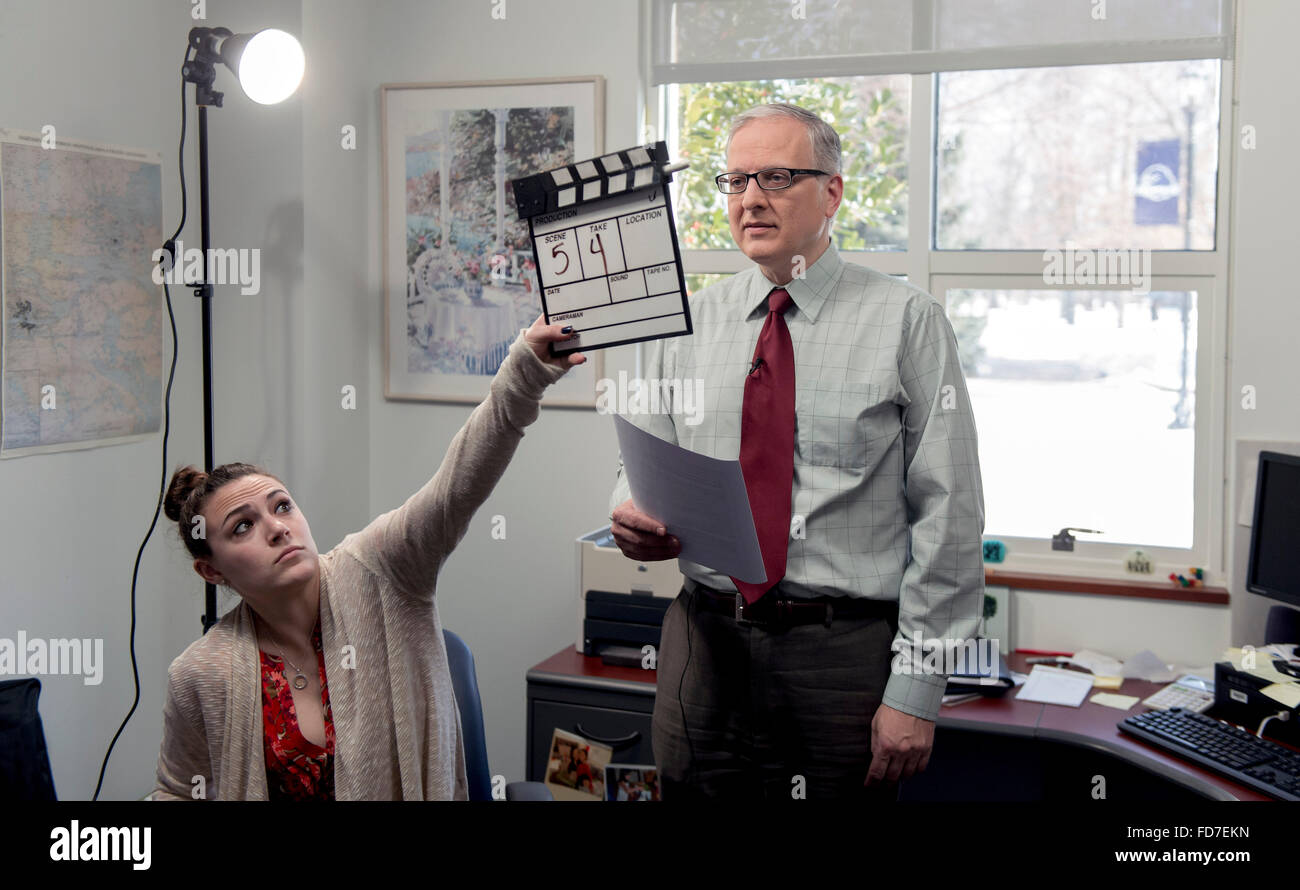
641, 536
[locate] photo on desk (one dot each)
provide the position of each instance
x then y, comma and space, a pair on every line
631, 781
575, 769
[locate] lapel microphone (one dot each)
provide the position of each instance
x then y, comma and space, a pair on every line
758, 363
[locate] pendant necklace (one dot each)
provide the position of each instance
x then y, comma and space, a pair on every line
300, 681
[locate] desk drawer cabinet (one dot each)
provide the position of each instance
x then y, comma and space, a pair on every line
619, 719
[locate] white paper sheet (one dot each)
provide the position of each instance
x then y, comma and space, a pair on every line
700, 500
1099, 664
1056, 686
1146, 665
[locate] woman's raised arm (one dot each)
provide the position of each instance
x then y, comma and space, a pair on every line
408, 544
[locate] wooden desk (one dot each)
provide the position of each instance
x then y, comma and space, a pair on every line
1073, 745
992, 748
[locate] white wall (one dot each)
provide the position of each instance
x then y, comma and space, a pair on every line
1190, 635
1265, 312
284, 184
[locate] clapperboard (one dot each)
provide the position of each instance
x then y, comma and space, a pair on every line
606, 248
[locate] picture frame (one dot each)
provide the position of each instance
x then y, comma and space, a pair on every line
459, 278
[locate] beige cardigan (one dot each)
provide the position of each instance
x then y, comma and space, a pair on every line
397, 728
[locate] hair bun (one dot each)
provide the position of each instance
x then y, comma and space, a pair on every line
184, 481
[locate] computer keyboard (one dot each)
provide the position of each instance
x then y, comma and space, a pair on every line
1221, 747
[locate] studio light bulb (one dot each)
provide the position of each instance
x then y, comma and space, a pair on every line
271, 66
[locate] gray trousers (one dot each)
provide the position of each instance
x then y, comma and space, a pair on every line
744, 712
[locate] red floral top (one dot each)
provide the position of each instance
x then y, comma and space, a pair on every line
296, 769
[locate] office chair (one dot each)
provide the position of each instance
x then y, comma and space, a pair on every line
24, 762
464, 680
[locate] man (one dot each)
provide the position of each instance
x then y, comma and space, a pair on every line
840, 391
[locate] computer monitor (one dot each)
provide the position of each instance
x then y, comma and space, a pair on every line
1274, 567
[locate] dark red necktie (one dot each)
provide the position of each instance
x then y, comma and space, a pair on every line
767, 442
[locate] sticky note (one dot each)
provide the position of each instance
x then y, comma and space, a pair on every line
1099, 682
1111, 700
1286, 693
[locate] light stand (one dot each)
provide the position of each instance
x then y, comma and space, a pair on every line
213, 46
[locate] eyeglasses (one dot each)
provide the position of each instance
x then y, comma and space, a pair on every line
772, 179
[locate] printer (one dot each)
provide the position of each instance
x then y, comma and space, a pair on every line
621, 602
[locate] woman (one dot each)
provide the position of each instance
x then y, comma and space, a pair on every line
329, 680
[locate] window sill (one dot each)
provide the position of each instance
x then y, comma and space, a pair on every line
1155, 590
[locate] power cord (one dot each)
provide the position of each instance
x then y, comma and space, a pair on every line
690, 627
1280, 717
170, 248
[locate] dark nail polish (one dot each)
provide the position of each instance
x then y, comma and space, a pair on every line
567, 330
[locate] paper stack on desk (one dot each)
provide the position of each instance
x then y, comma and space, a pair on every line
1056, 686
1106, 670
1260, 666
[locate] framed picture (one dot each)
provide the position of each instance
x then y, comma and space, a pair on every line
460, 279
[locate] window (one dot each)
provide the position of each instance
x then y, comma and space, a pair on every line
1055, 185
1088, 156
1085, 398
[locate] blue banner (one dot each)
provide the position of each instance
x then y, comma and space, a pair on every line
1158, 187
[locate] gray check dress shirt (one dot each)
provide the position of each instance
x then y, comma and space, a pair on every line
885, 445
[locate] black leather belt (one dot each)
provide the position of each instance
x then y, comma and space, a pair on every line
773, 610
